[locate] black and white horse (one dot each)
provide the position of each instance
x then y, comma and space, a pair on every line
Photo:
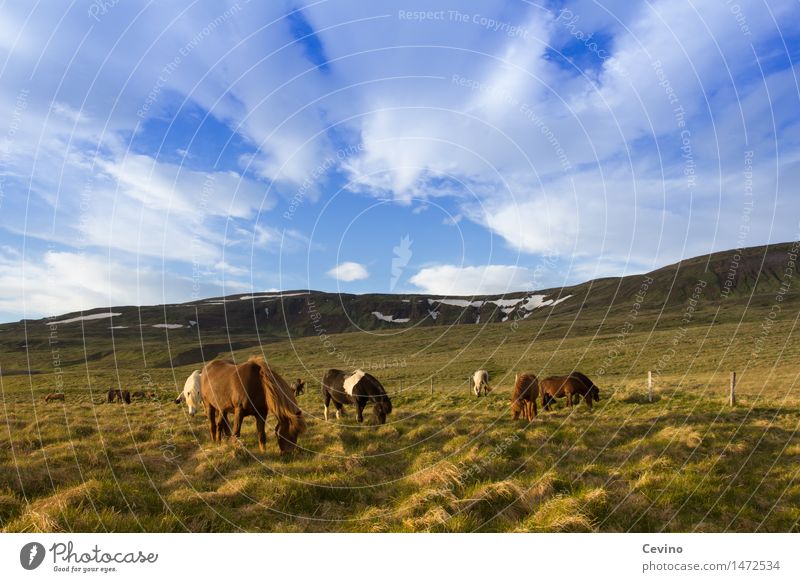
358, 388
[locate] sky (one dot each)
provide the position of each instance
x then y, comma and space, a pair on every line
156, 152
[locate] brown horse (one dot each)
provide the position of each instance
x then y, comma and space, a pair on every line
299, 387
575, 384
120, 395
54, 396
523, 398
250, 389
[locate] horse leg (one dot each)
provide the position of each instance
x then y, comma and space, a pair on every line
223, 429
262, 433
212, 422
226, 426
339, 409
533, 405
237, 422
327, 403
359, 411
588, 398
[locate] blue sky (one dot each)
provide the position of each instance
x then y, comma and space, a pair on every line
164, 152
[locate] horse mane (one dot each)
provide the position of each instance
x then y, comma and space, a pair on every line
583, 378
280, 397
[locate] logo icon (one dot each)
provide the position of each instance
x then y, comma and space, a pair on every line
31, 555
402, 254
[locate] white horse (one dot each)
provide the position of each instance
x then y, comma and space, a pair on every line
191, 393
480, 381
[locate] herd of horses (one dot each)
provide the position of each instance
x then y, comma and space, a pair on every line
254, 388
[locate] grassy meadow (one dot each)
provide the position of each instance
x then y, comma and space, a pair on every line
445, 461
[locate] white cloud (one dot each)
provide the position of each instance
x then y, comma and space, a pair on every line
349, 271
62, 282
486, 280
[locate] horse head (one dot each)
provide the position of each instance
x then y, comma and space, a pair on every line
287, 433
191, 396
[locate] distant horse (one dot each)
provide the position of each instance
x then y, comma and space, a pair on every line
299, 387
480, 382
358, 388
523, 398
575, 384
54, 396
119, 395
250, 389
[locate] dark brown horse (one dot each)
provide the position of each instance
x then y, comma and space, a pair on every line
119, 395
523, 398
299, 387
575, 384
54, 396
358, 388
250, 389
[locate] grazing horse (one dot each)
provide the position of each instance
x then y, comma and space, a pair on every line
119, 395
54, 396
250, 389
575, 384
358, 388
299, 387
191, 393
523, 398
480, 382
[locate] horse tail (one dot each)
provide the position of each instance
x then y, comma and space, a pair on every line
280, 399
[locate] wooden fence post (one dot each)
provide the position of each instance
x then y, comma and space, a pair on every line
649, 385
733, 389
431, 385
